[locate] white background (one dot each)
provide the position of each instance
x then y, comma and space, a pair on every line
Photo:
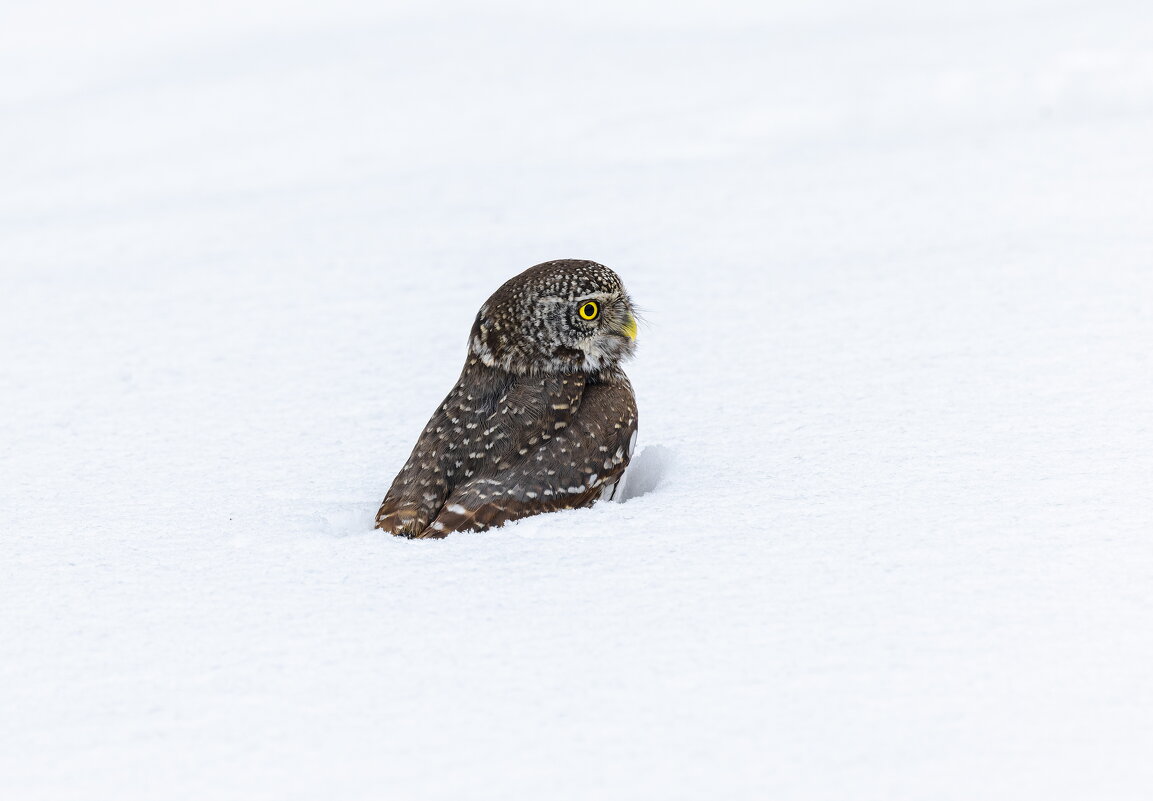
890, 533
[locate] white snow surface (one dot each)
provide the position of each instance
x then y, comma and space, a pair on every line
888, 533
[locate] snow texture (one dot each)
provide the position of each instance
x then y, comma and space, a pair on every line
888, 532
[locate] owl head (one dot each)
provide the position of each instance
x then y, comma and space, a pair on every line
562, 316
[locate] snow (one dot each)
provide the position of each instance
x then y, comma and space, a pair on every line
887, 535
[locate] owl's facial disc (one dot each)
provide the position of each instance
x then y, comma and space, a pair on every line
606, 328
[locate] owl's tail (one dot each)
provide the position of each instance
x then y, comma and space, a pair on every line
401, 521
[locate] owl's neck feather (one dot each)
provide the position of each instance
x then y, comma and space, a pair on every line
476, 370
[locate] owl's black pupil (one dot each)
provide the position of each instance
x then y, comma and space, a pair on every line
589, 310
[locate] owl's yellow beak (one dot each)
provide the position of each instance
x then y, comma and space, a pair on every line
629, 329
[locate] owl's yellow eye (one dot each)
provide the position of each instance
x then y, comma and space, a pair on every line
589, 311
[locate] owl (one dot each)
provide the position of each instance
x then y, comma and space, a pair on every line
542, 418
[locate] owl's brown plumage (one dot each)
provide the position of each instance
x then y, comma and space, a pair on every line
542, 417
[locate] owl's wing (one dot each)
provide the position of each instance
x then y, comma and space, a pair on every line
570, 468
456, 438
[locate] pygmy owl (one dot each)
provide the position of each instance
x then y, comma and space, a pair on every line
542, 417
